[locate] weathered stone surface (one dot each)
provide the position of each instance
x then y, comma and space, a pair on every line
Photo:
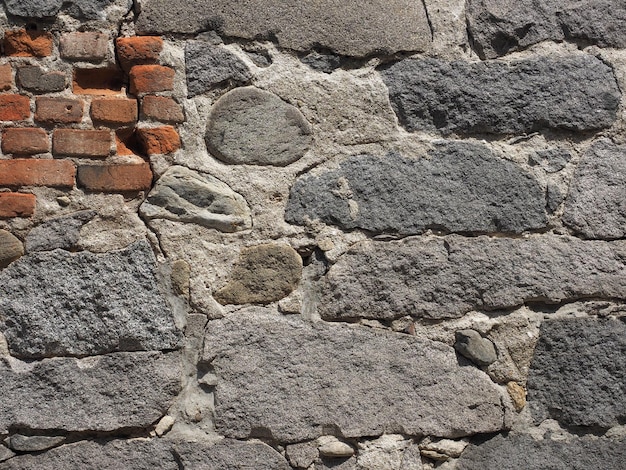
309, 377
22, 443
578, 373
302, 454
35, 79
11, 248
100, 393
447, 277
230, 454
62, 304
473, 346
330, 446
62, 232
389, 452
255, 127
209, 65
551, 160
354, 29
575, 93
263, 274
87, 9
184, 195
5, 453
442, 449
522, 452
498, 27
596, 204
462, 188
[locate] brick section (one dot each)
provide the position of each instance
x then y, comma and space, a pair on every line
138, 50
151, 78
14, 108
25, 141
126, 142
98, 81
161, 108
6, 77
35, 172
81, 143
35, 79
89, 46
22, 43
114, 111
58, 110
16, 205
113, 178
159, 140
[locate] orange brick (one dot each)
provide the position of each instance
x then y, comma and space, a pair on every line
117, 111
92, 46
14, 108
151, 78
126, 142
138, 50
98, 81
81, 143
161, 108
16, 205
25, 141
6, 77
24, 43
114, 178
58, 110
159, 140
35, 172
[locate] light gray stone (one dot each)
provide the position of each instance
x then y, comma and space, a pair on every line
311, 377
596, 204
389, 452
461, 188
230, 454
501, 26
551, 160
578, 372
255, 127
63, 304
574, 93
22, 443
354, 29
331, 447
184, 195
208, 66
62, 232
302, 454
99, 393
447, 277
473, 346
5, 454
11, 248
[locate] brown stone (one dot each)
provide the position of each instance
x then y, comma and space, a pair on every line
16, 205
58, 110
161, 108
138, 50
89, 46
14, 108
151, 79
114, 111
11, 248
25, 141
81, 143
98, 81
159, 140
37, 172
113, 178
6, 77
22, 43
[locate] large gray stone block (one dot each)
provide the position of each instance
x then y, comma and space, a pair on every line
292, 380
230, 454
85, 9
75, 304
461, 188
578, 373
447, 277
501, 26
575, 93
348, 28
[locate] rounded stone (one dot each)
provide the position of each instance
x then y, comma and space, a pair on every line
255, 127
10, 248
473, 346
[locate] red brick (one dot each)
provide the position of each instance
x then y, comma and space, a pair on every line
22, 43
159, 140
81, 143
98, 81
138, 50
89, 46
113, 178
25, 141
16, 205
14, 108
59, 110
117, 111
6, 77
36, 172
161, 108
151, 78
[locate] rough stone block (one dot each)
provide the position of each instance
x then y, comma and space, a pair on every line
23, 43
159, 140
61, 232
138, 50
230, 454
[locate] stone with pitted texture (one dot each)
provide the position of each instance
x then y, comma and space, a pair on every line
62, 232
230, 454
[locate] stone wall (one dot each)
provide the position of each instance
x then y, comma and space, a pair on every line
379, 235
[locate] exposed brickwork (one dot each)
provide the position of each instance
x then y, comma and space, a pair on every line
58, 110
81, 143
16, 205
114, 111
6, 77
161, 108
22, 43
25, 141
151, 79
89, 46
98, 81
138, 50
14, 108
36, 172
159, 140
114, 178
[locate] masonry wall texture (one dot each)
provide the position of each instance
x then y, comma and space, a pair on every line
377, 235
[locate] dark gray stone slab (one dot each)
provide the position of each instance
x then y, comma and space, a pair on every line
575, 93
447, 277
230, 454
596, 204
578, 373
87, 9
37, 80
461, 188
62, 232
63, 304
100, 393
501, 26
292, 380
522, 452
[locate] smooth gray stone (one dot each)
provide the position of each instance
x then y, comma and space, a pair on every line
22, 443
574, 93
291, 380
473, 346
208, 66
35, 79
75, 304
348, 28
255, 127
501, 26
62, 232
578, 373
450, 276
596, 204
99, 393
522, 452
184, 195
461, 188
230, 454
11, 248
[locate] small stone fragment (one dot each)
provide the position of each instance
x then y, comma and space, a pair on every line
164, 425
5, 453
11, 248
331, 447
181, 271
442, 449
62, 232
517, 394
473, 346
302, 455
22, 443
